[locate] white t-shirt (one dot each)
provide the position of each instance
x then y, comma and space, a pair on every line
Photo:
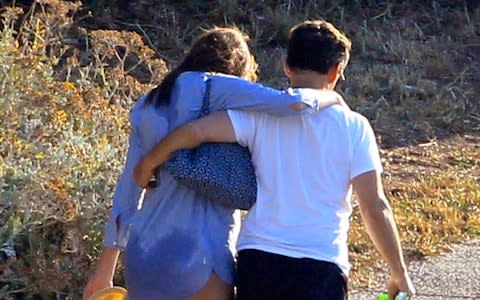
304, 165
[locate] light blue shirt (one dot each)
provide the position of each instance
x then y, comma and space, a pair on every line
178, 238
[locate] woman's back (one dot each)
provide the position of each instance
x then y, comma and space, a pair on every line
176, 233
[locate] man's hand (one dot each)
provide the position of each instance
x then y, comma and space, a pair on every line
144, 172
382, 229
400, 283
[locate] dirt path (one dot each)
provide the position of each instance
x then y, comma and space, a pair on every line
453, 275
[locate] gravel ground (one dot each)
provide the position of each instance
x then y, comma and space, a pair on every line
453, 275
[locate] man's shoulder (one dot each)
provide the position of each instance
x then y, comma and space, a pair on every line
346, 112
356, 116
346, 116
246, 114
358, 119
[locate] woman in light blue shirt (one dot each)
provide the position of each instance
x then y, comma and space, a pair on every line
178, 245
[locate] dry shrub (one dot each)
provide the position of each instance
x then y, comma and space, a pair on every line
62, 145
68, 78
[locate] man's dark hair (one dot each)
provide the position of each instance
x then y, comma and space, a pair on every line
317, 46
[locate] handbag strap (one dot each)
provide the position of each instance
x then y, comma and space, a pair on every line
205, 110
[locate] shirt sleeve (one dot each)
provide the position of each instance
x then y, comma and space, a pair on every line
126, 195
243, 124
230, 92
365, 155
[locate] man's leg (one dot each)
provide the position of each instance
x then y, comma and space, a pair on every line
254, 278
268, 276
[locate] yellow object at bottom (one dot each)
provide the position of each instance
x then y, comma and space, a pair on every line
113, 293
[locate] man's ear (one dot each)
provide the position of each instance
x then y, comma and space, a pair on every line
333, 74
286, 69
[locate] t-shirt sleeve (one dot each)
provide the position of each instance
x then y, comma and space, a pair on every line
365, 154
243, 124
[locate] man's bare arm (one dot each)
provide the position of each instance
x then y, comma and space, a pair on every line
215, 127
380, 223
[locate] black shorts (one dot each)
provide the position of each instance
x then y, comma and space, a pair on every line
267, 276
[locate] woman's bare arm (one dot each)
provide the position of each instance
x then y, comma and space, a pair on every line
103, 274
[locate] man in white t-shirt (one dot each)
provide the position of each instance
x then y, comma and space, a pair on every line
293, 241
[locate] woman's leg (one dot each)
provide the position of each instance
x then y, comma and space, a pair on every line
214, 289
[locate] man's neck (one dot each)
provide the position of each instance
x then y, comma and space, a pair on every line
311, 80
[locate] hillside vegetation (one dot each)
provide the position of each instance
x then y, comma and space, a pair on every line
70, 71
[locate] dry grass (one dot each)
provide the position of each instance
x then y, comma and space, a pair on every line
67, 81
434, 189
62, 143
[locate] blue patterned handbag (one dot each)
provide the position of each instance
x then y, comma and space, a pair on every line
221, 172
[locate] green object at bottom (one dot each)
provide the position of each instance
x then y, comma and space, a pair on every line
382, 297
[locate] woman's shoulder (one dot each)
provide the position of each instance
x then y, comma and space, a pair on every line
196, 76
142, 111
192, 76
188, 90
138, 106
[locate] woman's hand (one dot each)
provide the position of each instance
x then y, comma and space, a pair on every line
327, 98
96, 283
103, 276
